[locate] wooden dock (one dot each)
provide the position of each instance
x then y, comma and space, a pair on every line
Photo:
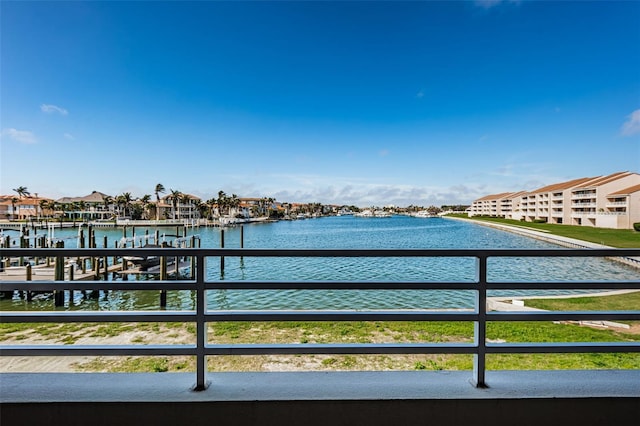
72, 272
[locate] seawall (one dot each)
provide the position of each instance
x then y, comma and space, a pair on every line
550, 238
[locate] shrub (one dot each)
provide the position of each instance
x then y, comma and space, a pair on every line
636, 226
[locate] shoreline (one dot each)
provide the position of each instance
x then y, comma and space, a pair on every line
551, 238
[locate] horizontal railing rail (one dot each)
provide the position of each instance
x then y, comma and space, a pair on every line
201, 316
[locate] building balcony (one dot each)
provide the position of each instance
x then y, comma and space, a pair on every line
589, 215
616, 203
583, 205
582, 196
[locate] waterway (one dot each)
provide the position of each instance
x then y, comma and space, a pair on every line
349, 232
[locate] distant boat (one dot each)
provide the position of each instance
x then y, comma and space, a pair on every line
229, 221
424, 214
364, 213
144, 262
373, 213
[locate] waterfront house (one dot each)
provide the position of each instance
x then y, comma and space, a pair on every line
95, 206
185, 206
28, 207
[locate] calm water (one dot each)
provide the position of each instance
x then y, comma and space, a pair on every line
351, 232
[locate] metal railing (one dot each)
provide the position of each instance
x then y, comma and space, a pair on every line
479, 348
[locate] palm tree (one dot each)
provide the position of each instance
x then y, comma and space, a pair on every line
74, 210
107, 200
52, 206
203, 209
270, 201
234, 203
145, 202
14, 200
63, 208
119, 202
265, 205
433, 210
22, 191
82, 206
126, 200
44, 204
211, 203
175, 197
186, 199
152, 210
222, 202
159, 189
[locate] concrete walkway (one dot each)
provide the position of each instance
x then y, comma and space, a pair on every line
550, 238
523, 398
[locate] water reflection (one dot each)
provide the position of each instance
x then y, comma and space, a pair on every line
347, 232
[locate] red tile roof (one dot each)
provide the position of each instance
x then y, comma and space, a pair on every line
604, 179
494, 196
626, 191
561, 186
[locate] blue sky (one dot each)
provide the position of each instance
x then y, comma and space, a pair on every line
366, 103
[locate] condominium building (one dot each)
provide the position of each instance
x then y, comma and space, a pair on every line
611, 201
547, 204
624, 205
511, 205
591, 201
489, 205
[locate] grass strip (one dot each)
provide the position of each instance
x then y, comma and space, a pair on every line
324, 332
620, 238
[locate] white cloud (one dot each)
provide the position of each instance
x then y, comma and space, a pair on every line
69, 136
51, 109
22, 136
420, 94
383, 152
364, 195
632, 125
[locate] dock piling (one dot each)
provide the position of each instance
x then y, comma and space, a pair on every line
221, 246
58, 295
163, 276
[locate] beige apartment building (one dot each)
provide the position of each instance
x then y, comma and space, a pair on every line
611, 201
548, 203
505, 204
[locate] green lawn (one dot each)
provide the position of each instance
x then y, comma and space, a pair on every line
340, 332
620, 302
621, 238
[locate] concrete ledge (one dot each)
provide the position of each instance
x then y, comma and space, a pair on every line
322, 398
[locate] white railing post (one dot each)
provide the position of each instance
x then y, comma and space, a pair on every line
480, 326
